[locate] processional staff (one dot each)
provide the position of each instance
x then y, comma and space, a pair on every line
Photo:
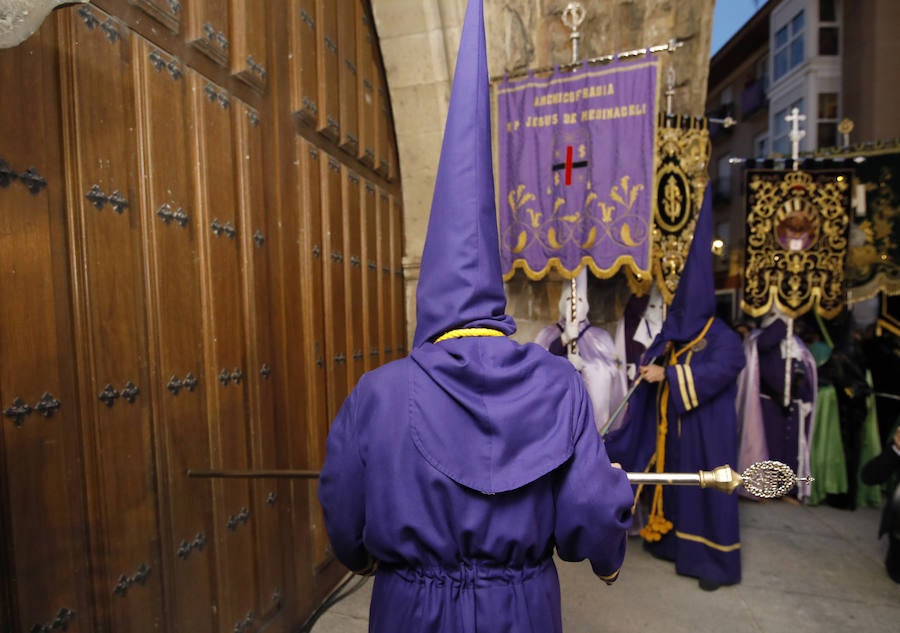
795, 136
573, 16
766, 480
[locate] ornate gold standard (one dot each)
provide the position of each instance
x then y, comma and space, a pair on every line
797, 223
682, 156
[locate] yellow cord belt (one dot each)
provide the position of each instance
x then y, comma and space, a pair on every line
469, 331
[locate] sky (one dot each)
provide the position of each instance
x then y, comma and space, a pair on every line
729, 16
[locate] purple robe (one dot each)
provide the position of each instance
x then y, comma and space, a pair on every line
459, 469
702, 434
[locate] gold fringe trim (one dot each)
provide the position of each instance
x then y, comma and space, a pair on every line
625, 262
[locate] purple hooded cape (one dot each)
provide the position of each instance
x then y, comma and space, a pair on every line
702, 426
461, 468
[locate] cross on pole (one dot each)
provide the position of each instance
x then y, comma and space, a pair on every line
796, 134
573, 15
670, 88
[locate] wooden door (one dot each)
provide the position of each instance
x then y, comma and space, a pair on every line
41, 469
200, 257
179, 379
110, 321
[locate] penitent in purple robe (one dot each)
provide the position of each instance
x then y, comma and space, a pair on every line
701, 422
460, 469
702, 434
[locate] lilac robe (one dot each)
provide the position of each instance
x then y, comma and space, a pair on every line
770, 430
602, 372
459, 470
702, 434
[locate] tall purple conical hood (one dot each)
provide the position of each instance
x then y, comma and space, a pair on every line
695, 297
460, 283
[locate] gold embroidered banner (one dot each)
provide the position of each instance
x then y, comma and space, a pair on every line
682, 156
873, 262
797, 224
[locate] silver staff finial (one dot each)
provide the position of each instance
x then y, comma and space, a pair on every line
767, 480
573, 15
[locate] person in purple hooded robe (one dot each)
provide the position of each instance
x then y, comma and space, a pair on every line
682, 419
457, 472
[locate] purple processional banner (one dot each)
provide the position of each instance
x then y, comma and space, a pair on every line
577, 160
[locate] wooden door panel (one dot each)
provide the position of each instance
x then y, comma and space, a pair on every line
208, 30
179, 382
353, 268
370, 311
255, 246
218, 227
41, 470
328, 72
366, 42
168, 12
248, 42
385, 306
312, 271
304, 68
337, 354
348, 75
111, 322
382, 127
387, 276
302, 361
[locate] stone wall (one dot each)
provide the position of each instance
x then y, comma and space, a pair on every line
419, 42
